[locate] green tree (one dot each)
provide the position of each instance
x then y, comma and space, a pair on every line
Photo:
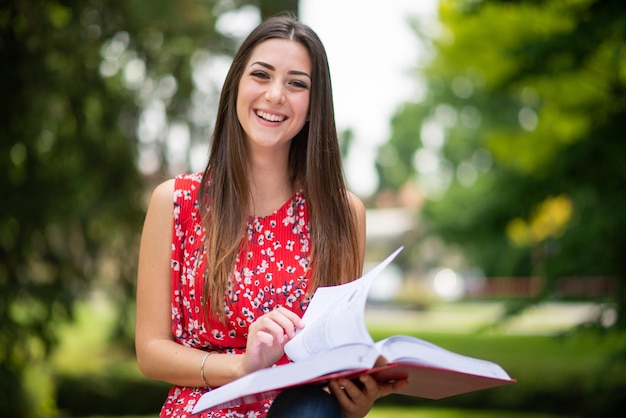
70, 189
77, 77
518, 145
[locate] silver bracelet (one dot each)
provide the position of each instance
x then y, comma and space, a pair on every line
202, 369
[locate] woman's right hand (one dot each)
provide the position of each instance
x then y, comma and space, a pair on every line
267, 337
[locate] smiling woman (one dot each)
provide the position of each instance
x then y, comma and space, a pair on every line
229, 257
273, 100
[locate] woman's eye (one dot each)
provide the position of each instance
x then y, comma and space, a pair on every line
299, 84
259, 74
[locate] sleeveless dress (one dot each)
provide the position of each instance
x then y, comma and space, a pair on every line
271, 270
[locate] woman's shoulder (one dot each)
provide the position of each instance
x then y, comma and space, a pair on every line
180, 185
356, 204
163, 191
160, 205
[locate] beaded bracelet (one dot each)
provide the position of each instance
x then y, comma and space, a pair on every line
202, 369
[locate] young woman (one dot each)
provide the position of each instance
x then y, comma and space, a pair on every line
229, 257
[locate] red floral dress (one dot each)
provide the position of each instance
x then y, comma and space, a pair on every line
273, 270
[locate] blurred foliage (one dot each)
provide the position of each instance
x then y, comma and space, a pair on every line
518, 146
77, 78
544, 382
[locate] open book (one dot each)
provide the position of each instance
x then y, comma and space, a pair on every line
335, 343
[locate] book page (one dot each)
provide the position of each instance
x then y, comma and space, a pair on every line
335, 316
402, 348
265, 383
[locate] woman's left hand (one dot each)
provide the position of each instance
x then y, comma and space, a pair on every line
357, 398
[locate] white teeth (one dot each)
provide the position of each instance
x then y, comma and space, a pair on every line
270, 117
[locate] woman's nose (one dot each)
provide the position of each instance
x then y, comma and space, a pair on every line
275, 93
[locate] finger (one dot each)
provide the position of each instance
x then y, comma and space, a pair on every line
264, 338
337, 390
293, 317
386, 388
287, 320
269, 326
370, 385
279, 321
398, 385
352, 390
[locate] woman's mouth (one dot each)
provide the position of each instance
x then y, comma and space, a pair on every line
269, 116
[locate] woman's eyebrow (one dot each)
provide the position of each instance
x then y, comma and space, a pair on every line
272, 68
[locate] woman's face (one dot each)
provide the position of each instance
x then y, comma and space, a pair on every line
274, 92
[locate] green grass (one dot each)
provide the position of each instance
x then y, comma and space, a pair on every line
398, 412
412, 412
84, 346
536, 361
527, 358
395, 412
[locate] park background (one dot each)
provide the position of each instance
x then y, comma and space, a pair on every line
501, 169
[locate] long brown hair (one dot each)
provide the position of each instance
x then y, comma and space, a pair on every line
314, 163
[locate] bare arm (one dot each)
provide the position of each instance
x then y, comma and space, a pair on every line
159, 356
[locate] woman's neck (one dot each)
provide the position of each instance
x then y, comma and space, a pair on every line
270, 185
